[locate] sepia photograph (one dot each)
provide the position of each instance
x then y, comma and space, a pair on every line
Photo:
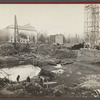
50, 50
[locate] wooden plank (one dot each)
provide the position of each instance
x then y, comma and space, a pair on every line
49, 83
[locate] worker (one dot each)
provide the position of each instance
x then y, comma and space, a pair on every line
18, 77
28, 79
41, 80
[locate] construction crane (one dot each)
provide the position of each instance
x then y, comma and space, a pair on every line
91, 24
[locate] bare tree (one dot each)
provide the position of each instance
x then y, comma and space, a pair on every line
77, 38
68, 40
64, 39
41, 39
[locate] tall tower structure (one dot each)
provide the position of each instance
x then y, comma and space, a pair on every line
16, 32
91, 28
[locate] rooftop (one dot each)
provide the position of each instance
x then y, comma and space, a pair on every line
26, 27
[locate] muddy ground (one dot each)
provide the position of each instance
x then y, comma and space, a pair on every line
81, 78
84, 72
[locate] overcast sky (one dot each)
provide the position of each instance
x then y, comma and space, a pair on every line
52, 18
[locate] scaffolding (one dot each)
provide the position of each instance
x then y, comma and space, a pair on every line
91, 24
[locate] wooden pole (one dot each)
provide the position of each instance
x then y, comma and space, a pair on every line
15, 32
47, 84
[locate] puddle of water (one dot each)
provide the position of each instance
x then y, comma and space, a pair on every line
24, 71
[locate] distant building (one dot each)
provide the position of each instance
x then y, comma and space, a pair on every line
58, 38
27, 33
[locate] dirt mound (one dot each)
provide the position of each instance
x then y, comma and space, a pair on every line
44, 49
48, 74
2, 61
91, 82
62, 90
6, 49
8, 61
61, 54
44, 62
90, 52
89, 56
12, 61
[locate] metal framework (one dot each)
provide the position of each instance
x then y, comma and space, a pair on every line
91, 28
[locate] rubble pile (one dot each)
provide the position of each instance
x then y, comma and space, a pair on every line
48, 74
91, 82
6, 49
61, 54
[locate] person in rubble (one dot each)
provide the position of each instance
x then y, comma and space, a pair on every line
41, 80
28, 79
18, 77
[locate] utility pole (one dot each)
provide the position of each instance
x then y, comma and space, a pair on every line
15, 31
18, 37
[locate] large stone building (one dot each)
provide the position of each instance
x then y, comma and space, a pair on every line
58, 38
27, 33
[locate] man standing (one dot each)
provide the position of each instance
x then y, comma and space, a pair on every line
28, 79
18, 77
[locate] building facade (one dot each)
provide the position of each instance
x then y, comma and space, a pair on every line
26, 34
58, 38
